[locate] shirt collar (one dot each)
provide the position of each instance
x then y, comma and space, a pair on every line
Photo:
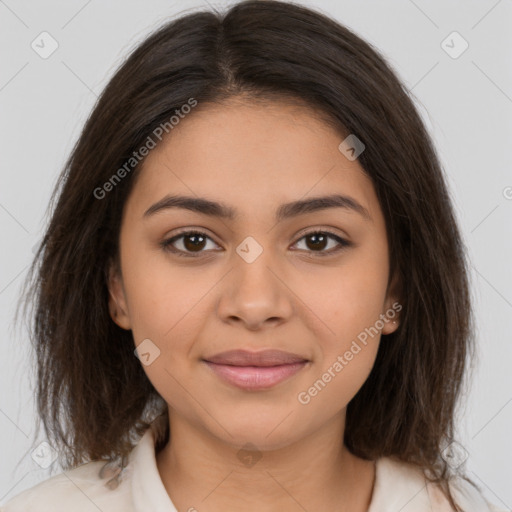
148, 490
398, 487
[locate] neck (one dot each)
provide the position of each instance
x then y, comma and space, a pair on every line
203, 472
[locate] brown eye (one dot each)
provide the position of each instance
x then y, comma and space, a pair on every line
188, 242
317, 241
194, 242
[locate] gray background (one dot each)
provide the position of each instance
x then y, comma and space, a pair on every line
466, 103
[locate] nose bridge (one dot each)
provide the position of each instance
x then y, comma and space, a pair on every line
254, 291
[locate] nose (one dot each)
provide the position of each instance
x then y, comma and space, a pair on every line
255, 294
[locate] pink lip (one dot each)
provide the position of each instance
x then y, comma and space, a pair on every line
271, 357
255, 377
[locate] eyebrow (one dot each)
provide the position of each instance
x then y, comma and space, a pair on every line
285, 211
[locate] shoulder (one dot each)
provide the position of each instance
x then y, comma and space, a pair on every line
81, 489
403, 486
101, 486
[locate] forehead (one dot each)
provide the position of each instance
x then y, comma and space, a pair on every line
252, 156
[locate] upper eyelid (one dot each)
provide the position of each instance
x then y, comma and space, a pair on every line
327, 229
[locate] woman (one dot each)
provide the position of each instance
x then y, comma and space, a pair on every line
256, 211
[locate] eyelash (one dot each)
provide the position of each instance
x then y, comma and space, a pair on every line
167, 244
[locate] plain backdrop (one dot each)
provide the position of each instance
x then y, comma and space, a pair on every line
465, 100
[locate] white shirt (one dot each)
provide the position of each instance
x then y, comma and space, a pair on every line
398, 487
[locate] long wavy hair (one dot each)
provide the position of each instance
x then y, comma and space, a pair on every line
93, 396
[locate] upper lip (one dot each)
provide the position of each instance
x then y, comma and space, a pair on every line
262, 358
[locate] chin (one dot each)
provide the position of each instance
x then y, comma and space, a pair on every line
264, 435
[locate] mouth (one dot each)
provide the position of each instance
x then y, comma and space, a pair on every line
255, 370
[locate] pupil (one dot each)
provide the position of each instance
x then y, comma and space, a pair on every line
318, 237
193, 245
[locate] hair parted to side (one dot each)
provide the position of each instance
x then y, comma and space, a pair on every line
92, 393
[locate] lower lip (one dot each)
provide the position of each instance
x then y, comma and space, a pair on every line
255, 377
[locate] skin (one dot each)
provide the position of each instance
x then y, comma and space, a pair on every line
254, 157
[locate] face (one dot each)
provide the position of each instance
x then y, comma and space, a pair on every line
311, 281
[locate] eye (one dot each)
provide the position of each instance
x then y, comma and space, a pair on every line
192, 243
318, 240
189, 241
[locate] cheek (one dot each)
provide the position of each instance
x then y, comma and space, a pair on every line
166, 308
159, 293
349, 338
337, 383
348, 299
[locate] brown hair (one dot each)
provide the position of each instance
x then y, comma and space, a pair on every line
92, 393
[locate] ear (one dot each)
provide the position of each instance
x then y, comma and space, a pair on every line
117, 303
392, 306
